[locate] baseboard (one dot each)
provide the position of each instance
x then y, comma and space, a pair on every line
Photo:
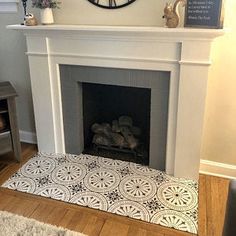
28, 137
218, 169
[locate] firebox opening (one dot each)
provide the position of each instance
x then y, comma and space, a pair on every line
117, 121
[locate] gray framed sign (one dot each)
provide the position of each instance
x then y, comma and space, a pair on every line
204, 14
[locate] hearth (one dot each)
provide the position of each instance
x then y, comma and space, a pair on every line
114, 186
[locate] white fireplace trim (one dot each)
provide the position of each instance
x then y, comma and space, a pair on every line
198, 63
183, 52
110, 58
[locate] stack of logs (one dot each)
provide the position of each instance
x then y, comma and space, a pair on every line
121, 134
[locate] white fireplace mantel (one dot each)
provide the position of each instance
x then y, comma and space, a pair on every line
183, 52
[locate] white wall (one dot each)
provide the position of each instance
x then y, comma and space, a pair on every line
141, 12
219, 140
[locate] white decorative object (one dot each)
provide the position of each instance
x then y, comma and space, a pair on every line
46, 15
183, 52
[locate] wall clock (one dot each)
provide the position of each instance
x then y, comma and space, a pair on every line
111, 4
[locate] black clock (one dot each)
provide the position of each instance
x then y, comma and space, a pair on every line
111, 4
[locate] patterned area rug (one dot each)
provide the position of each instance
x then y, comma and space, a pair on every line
14, 225
119, 187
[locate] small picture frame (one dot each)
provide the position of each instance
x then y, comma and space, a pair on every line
204, 14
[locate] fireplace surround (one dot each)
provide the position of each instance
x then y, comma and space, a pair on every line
72, 79
183, 53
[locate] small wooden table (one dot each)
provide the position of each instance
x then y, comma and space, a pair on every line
9, 136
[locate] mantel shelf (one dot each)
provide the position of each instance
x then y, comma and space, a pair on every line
123, 30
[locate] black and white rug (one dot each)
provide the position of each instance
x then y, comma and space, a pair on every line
119, 187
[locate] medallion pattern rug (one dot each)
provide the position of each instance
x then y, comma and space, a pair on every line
115, 186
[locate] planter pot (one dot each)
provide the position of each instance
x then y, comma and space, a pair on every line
46, 16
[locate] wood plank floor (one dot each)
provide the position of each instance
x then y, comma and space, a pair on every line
212, 198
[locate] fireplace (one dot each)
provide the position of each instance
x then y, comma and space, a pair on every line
102, 95
181, 53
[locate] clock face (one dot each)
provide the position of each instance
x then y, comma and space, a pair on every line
111, 4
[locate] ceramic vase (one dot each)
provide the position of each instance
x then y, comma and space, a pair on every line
46, 16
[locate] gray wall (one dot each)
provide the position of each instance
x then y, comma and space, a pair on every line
14, 68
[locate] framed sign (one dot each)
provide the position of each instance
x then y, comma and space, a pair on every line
204, 14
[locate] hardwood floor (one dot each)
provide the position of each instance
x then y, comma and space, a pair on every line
212, 198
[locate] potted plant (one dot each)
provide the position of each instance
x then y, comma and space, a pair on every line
46, 7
